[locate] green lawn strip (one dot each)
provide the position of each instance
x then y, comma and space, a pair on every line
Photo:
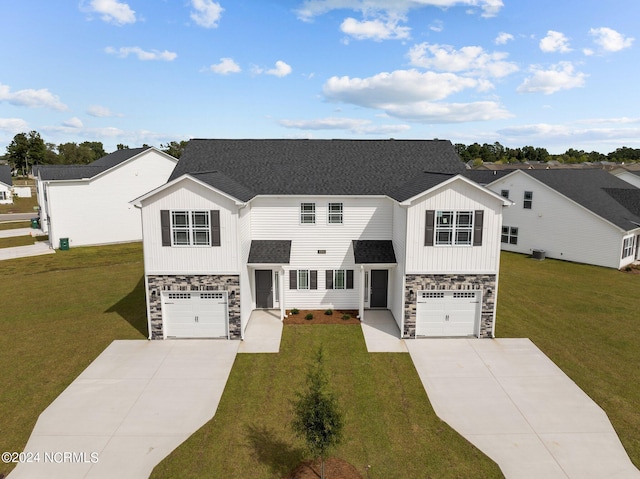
21, 205
12, 225
56, 319
390, 424
585, 318
14, 241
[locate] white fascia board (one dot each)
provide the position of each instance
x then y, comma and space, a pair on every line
604, 220
504, 201
185, 177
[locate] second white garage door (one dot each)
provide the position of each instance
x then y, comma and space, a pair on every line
447, 313
195, 314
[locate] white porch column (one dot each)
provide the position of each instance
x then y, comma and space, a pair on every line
281, 291
361, 300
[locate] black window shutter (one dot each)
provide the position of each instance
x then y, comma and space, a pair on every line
313, 279
165, 226
428, 230
329, 279
477, 227
293, 279
215, 227
349, 279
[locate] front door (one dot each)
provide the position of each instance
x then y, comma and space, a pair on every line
264, 288
379, 280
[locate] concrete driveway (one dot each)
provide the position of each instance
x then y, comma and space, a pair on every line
513, 403
129, 409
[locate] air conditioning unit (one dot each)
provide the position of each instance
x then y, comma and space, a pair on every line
538, 254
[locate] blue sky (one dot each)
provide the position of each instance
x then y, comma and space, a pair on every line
554, 74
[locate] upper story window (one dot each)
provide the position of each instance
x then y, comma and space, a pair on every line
335, 213
307, 213
528, 200
504, 193
454, 227
190, 227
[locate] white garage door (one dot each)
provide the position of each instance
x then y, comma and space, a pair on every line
195, 314
447, 313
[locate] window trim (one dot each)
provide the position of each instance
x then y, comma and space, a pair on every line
510, 235
628, 246
301, 276
335, 214
191, 228
310, 214
527, 203
504, 193
454, 228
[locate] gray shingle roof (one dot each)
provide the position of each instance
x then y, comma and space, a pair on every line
373, 251
77, 172
317, 167
592, 188
484, 177
270, 251
5, 175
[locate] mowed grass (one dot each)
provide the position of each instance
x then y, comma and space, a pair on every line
587, 320
14, 241
12, 225
390, 424
58, 313
21, 205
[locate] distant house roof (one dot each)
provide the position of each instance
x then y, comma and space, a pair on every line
246, 168
484, 177
597, 190
5, 175
270, 252
373, 251
77, 172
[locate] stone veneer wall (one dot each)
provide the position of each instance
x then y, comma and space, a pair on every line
229, 283
456, 282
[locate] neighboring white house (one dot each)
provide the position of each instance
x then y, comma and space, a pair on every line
6, 197
89, 204
628, 175
317, 224
586, 216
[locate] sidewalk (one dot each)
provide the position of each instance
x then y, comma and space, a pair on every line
37, 249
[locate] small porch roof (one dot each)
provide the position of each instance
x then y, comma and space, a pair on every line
374, 252
270, 252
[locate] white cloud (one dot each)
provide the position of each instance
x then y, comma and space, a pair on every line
226, 66
377, 29
13, 125
430, 112
100, 111
206, 13
472, 60
73, 122
313, 8
561, 76
42, 98
609, 40
503, 38
555, 42
112, 11
437, 26
281, 69
143, 55
353, 125
570, 134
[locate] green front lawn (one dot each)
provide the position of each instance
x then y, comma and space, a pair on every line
58, 313
21, 205
389, 422
587, 320
13, 225
13, 241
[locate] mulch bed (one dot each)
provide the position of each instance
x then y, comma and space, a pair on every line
334, 468
319, 317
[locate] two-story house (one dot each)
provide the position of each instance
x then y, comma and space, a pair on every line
316, 224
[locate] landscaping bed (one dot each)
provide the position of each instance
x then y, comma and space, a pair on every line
320, 316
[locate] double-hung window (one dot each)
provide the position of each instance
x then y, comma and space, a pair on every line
509, 235
627, 247
335, 213
307, 213
528, 200
303, 279
454, 228
190, 228
504, 193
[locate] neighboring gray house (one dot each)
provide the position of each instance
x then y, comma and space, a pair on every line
628, 174
317, 224
587, 216
6, 196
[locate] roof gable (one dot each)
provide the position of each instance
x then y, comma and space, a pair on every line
316, 167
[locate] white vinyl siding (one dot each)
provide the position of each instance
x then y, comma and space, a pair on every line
456, 196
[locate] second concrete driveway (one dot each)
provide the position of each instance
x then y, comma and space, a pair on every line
129, 409
513, 403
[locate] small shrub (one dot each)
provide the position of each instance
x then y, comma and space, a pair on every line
329, 312
346, 316
294, 311
308, 316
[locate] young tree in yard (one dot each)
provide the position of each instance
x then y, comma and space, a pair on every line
317, 417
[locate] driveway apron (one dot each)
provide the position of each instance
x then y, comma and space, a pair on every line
129, 409
513, 403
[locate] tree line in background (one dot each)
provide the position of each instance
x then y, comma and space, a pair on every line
497, 153
29, 149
